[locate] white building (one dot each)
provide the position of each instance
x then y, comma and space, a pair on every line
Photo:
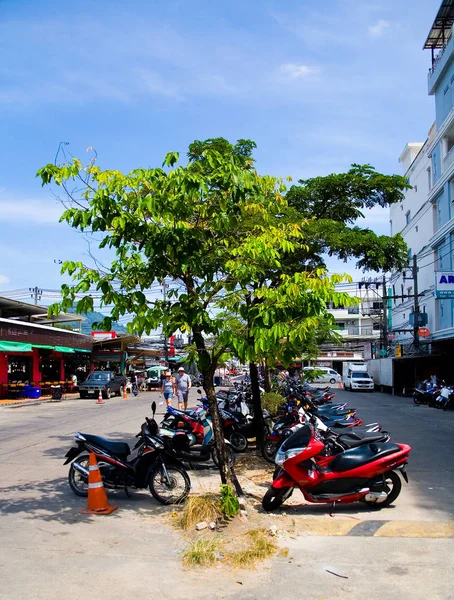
426, 220
414, 219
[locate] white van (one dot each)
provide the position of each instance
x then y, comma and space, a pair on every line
327, 375
358, 379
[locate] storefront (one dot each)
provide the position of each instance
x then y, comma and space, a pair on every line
39, 355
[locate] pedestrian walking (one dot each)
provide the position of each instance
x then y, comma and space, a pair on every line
183, 385
168, 389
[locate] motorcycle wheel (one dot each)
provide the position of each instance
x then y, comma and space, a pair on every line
273, 499
238, 441
231, 457
393, 479
172, 491
416, 399
269, 451
78, 482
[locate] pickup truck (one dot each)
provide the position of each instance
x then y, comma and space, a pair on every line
109, 382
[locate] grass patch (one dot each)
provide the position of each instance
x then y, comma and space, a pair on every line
260, 547
202, 552
200, 508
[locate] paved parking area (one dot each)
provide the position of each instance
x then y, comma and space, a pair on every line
48, 549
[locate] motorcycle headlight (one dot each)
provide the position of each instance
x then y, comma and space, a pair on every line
281, 456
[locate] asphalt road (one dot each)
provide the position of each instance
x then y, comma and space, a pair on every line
48, 550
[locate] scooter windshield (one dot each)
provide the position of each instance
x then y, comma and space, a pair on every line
299, 439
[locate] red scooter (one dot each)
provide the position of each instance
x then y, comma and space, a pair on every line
366, 473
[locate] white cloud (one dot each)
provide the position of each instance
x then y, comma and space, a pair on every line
297, 71
379, 28
25, 210
155, 84
4, 280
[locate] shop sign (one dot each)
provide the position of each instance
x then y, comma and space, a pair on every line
444, 284
423, 332
367, 351
103, 335
398, 351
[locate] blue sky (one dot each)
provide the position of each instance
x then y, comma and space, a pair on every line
316, 85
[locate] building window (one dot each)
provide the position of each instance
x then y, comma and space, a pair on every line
401, 207
341, 326
416, 229
429, 177
376, 327
407, 217
410, 254
404, 316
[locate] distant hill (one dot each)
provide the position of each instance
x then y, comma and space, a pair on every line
96, 317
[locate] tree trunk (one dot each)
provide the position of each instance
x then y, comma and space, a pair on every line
257, 405
267, 376
207, 369
224, 469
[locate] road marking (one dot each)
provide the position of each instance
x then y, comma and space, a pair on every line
373, 528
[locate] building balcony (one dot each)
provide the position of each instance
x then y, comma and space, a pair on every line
359, 332
440, 63
448, 160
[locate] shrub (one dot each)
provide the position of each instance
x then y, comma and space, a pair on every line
230, 505
260, 547
271, 402
202, 552
200, 508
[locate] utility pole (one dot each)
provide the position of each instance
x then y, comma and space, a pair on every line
166, 348
416, 302
36, 294
385, 314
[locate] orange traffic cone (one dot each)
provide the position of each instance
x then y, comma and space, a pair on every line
97, 497
100, 400
125, 393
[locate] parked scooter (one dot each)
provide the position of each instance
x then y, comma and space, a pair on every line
192, 436
155, 465
367, 473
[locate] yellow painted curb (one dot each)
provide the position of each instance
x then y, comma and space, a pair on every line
416, 529
399, 529
324, 527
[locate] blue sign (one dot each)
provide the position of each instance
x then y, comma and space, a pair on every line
444, 284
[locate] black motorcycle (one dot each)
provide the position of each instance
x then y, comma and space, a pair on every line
151, 464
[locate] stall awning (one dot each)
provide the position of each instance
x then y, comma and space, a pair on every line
14, 347
6, 346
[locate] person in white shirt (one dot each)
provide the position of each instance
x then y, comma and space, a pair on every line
183, 385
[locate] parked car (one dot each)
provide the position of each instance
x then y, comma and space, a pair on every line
109, 382
327, 375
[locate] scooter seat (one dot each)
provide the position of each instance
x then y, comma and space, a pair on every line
117, 448
352, 441
357, 457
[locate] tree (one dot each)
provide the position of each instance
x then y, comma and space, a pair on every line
330, 206
279, 315
176, 222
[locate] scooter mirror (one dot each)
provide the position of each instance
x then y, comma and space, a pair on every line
199, 391
153, 408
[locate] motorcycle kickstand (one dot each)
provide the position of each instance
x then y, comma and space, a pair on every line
333, 506
127, 492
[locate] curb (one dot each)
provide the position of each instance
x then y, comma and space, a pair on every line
374, 528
